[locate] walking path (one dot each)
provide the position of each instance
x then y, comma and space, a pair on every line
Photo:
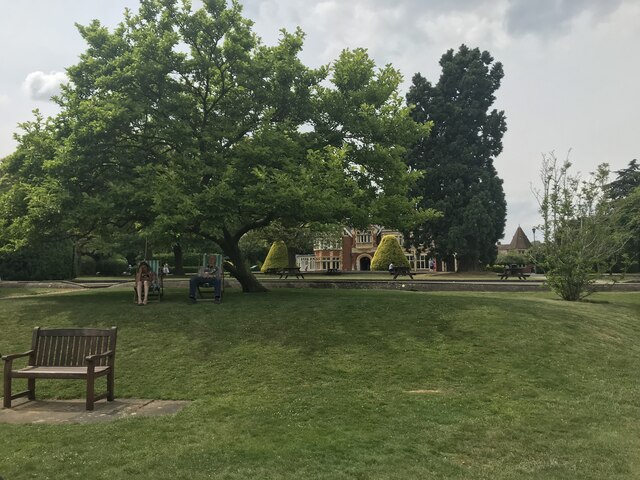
73, 411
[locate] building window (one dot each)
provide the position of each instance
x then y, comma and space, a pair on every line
411, 259
327, 244
330, 262
363, 237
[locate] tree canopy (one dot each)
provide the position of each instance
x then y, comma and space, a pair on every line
580, 237
181, 121
459, 178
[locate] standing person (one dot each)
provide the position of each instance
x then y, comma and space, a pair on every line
144, 277
208, 274
392, 267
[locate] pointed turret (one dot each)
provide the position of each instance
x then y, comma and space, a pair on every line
519, 241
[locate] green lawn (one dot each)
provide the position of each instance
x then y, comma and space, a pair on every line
346, 384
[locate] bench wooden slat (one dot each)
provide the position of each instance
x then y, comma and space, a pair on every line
56, 372
73, 332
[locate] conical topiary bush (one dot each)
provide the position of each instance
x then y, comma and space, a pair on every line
389, 251
276, 258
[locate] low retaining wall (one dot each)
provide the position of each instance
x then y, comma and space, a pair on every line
433, 286
410, 285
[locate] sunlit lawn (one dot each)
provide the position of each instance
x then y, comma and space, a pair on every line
341, 384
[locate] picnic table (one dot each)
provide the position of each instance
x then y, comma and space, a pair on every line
286, 271
395, 271
513, 271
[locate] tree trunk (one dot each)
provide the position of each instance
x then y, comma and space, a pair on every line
239, 269
466, 264
291, 254
178, 260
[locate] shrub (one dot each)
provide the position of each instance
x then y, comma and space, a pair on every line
87, 265
112, 265
497, 268
511, 258
277, 257
49, 261
389, 251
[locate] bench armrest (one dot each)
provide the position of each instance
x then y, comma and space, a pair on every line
91, 358
12, 357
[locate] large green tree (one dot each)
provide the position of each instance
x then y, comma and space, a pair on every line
182, 122
627, 180
624, 192
459, 178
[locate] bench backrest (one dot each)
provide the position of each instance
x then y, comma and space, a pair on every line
68, 347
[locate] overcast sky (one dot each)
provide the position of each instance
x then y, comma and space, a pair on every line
571, 67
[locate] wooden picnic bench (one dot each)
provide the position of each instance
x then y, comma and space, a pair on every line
65, 353
285, 272
401, 271
513, 271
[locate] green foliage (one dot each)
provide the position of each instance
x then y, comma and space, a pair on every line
87, 265
627, 221
625, 194
115, 265
627, 180
189, 258
277, 257
181, 123
255, 247
511, 258
389, 251
496, 268
38, 261
459, 178
579, 236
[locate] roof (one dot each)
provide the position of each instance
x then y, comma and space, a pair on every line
519, 241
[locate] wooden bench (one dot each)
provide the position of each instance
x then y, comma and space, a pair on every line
65, 353
514, 272
401, 271
285, 272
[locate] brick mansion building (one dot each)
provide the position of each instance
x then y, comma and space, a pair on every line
356, 248
354, 252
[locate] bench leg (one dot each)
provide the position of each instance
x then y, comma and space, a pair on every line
31, 387
90, 391
7, 390
110, 383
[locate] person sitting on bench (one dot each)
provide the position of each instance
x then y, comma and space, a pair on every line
206, 275
144, 278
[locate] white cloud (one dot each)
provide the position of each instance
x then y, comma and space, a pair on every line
4, 100
42, 86
472, 28
554, 17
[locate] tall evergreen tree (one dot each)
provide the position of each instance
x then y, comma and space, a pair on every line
457, 158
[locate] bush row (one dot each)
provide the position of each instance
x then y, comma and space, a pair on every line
50, 261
